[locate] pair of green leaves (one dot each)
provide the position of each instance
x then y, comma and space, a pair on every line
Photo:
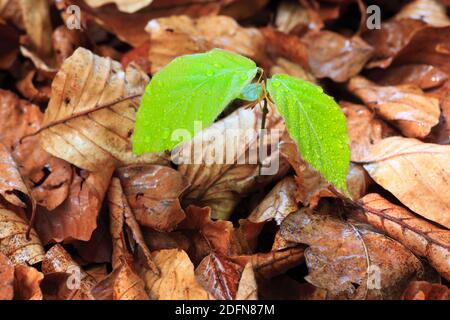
198, 87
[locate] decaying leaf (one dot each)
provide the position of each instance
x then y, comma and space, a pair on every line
27, 282
177, 280
153, 194
422, 290
89, 139
416, 173
13, 239
405, 105
420, 236
6, 278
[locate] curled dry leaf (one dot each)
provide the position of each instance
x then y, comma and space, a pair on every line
27, 282
432, 12
219, 276
248, 289
422, 290
91, 139
423, 238
12, 186
292, 17
228, 169
121, 216
175, 36
123, 5
416, 173
177, 279
6, 278
404, 105
153, 194
334, 56
13, 239
57, 260
76, 217
341, 255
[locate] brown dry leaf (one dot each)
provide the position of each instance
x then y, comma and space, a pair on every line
6, 278
121, 215
278, 203
364, 129
248, 288
420, 236
27, 282
94, 139
13, 239
422, 290
222, 185
76, 217
287, 67
416, 173
57, 260
242, 9
404, 105
9, 47
331, 55
12, 187
341, 255
292, 17
174, 36
128, 6
219, 276
48, 177
153, 194
177, 280
432, 12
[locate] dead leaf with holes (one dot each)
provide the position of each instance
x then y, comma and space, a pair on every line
416, 173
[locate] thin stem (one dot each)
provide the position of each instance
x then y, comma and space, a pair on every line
265, 111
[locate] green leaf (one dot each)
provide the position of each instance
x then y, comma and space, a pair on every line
251, 92
191, 88
316, 123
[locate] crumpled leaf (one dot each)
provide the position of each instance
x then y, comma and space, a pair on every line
6, 278
219, 276
174, 36
292, 17
47, 177
416, 173
57, 260
422, 290
404, 105
153, 194
121, 216
13, 239
177, 280
432, 12
341, 255
248, 288
334, 56
76, 217
95, 139
421, 237
123, 5
218, 184
27, 282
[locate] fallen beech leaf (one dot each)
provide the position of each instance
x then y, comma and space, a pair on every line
76, 217
421, 237
287, 67
156, 240
34, 90
177, 280
174, 36
228, 169
242, 9
94, 139
58, 260
405, 105
6, 278
416, 173
27, 282
278, 204
13, 239
9, 48
121, 215
364, 129
334, 56
12, 186
47, 177
123, 5
340, 255
430, 11
422, 290
248, 289
292, 16
153, 194
219, 276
